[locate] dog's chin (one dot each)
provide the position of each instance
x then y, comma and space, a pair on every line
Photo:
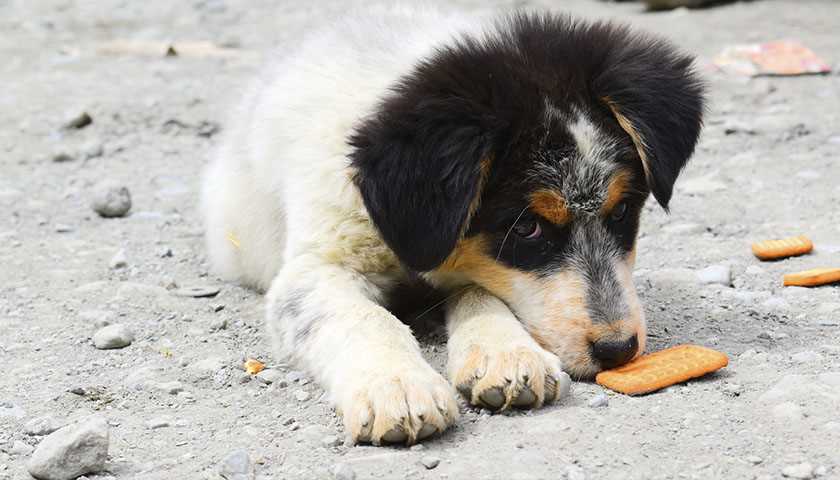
580, 367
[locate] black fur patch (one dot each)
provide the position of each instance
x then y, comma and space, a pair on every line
418, 159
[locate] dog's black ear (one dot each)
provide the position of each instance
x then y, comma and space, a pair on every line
657, 98
420, 164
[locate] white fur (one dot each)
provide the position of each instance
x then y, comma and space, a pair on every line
281, 211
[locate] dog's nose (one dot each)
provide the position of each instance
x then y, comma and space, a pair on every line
612, 353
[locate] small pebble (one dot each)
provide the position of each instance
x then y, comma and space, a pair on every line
61, 156
342, 471
430, 461
77, 121
800, 471
92, 149
236, 466
270, 376
754, 459
118, 261
113, 336
43, 425
302, 395
61, 228
111, 200
598, 401
156, 423
715, 274
197, 291
20, 448
331, 441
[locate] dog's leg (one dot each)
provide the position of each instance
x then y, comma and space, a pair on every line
329, 320
493, 361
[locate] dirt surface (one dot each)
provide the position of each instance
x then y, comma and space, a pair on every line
767, 166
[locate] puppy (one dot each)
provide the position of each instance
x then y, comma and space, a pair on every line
503, 162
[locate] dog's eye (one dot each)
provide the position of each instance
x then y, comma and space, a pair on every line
619, 212
529, 229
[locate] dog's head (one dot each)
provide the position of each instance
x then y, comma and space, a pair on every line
520, 161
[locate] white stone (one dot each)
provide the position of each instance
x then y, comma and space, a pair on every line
43, 425
236, 466
715, 274
110, 200
801, 471
598, 401
270, 376
71, 451
430, 461
113, 336
118, 260
302, 395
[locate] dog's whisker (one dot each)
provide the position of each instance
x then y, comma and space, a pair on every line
502, 246
441, 302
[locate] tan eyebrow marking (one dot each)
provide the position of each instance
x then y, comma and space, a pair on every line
551, 205
619, 184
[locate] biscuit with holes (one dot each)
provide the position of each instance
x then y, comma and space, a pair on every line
658, 370
784, 248
812, 278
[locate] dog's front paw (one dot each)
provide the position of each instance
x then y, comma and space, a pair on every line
498, 378
399, 407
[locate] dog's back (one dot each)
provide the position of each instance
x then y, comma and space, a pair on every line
284, 159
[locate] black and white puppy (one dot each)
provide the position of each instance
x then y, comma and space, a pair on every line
504, 162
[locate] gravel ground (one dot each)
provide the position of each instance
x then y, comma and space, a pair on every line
176, 398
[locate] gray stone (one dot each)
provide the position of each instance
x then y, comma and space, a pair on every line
302, 395
118, 260
715, 274
236, 466
77, 121
197, 291
156, 423
71, 451
598, 401
111, 201
61, 156
113, 336
270, 376
331, 441
755, 460
430, 461
43, 425
342, 471
802, 471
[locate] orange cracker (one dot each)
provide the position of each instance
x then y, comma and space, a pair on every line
664, 368
254, 367
786, 247
812, 278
